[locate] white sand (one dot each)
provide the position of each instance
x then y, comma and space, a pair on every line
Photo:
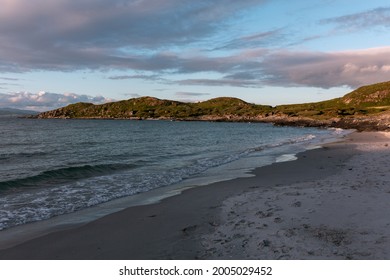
344, 216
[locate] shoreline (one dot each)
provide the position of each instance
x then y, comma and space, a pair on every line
360, 123
186, 226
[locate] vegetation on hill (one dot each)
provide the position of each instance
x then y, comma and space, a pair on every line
368, 104
150, 107
366, 100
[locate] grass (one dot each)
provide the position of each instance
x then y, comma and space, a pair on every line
366, 100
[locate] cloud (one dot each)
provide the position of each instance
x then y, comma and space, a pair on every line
221, 82
133, 95
302, 68
156, 38
356, 22
43, 101
327, 69
190, 94
172, 63
264, 39
67, 35
9, 79
132, 77
8, 82
261, 67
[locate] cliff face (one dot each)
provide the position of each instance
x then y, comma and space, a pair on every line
367, 108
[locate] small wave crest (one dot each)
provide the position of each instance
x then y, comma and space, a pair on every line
64, 175
296, 140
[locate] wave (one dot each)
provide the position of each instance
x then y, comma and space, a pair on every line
4, 156
50, 178
296, 140
64, 175
65, 198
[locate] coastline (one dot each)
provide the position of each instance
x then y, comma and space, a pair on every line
198, 224
359, 123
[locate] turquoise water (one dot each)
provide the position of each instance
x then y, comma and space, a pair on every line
53, 167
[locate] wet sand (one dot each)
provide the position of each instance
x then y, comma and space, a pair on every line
331, 203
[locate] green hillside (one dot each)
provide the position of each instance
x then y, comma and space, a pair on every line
372, 95
150, 107
366, 100
366, 105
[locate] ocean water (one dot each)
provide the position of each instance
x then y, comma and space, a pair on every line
52, 167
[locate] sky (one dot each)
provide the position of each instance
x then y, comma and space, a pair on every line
272, 52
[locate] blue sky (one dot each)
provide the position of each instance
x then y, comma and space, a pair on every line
262, 51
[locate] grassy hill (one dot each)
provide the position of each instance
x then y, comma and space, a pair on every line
365, 104
366, 100
150, 107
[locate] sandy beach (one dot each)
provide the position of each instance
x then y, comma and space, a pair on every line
341, 216
330, 203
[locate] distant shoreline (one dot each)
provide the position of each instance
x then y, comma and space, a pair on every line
363, 123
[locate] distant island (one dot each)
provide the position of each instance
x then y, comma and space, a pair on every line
10, 112
366, 108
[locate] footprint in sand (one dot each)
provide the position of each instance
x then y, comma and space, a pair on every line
278, 220
297, 204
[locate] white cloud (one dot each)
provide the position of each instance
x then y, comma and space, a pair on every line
43, 101
385, 68
350, 68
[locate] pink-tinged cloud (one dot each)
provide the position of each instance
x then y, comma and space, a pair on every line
190, 94
325, 70
295, 68
43, 101
222, 82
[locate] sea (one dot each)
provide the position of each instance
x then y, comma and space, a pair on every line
51, 167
